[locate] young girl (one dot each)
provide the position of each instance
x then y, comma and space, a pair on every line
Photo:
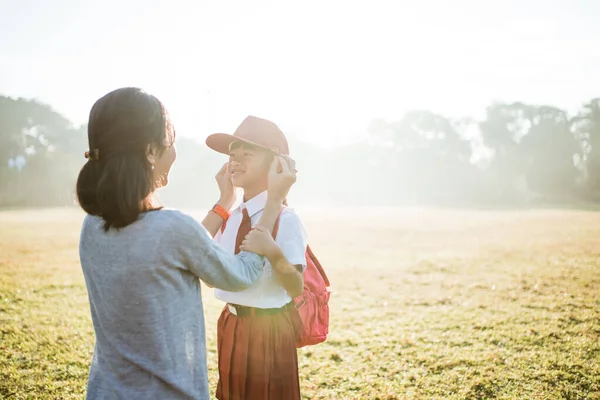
256, 331
142, 263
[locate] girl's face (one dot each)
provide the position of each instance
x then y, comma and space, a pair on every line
249, 166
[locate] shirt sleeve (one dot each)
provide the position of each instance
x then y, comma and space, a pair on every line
206, 259
292, 238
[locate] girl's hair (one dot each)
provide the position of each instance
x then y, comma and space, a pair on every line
117, 181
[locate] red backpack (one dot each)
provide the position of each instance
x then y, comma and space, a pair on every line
313, 304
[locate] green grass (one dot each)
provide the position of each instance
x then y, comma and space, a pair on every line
427, 304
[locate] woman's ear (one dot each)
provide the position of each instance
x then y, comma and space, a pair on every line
151, 153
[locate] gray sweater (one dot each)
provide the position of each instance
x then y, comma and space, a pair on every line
146, 305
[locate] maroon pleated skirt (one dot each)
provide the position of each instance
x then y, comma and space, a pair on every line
258, 359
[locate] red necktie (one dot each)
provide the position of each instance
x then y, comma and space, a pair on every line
243, 230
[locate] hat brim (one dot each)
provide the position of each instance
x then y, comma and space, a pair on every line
220, 142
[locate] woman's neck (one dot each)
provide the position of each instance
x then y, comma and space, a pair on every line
153, 202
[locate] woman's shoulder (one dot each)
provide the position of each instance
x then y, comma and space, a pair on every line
175, 219
161, 222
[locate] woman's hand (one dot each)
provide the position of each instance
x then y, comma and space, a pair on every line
260, 241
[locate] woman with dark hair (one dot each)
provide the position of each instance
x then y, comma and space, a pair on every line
142, 263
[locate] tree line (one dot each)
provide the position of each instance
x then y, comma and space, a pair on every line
517, 154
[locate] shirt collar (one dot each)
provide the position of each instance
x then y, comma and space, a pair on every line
255, 204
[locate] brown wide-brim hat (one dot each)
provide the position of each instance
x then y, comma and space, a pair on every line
255, 131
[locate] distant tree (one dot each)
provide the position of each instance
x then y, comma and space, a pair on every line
587, 128
35, 153
502, 130
432, 158
548, 151
28, 126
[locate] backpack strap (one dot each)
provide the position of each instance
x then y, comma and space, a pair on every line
309, 252
317, 264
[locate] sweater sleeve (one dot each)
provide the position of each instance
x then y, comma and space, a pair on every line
206, 259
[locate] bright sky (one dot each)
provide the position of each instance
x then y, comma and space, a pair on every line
320, 69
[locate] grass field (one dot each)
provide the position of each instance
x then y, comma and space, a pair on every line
427, 304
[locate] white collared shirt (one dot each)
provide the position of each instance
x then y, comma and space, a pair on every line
267, 292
